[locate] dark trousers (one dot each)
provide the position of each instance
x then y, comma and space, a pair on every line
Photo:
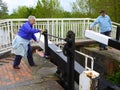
107, 34
29, 57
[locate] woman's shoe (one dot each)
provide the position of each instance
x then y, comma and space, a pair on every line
46, 57
16, 67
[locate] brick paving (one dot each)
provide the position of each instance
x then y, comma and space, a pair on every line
41, 77
10, 76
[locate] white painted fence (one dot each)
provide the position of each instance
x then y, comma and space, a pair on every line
55, 26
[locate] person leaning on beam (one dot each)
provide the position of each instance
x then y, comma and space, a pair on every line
105, 24
21, 44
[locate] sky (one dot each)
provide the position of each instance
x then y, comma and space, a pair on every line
13, 4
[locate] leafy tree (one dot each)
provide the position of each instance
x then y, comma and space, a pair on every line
80, 9
67, 14
91, 8
110, 6
80, 6
43, 9
3, 9
48, 9
21, 12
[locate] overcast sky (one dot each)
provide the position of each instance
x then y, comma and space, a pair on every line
13, 4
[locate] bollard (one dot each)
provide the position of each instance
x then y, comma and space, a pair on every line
88, 80
46, 42
69, 51
118, 33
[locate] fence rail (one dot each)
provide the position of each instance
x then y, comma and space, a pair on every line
55, 26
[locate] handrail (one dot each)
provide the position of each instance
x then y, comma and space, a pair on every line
55, 26
116, 23
86, 60
24, 19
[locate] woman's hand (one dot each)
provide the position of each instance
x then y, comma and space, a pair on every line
37, 41
43, 30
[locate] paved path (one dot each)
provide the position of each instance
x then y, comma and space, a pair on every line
41, 77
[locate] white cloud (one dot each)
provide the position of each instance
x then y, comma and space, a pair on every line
13, 4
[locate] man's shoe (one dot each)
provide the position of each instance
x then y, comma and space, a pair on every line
101, 49
105, 48
16, 67
33, 65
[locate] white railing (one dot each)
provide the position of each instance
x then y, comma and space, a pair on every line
55, 26
87, 57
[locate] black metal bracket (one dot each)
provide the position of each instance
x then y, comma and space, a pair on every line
69, 51
46, 42
118, 33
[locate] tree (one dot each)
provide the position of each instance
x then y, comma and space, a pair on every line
22, 12
3, 9
48, 9
112, 8
43, 9
80, 6
67, 14
91, 8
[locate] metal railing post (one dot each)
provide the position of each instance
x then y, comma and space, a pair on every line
8, 31
53, 30
118, 33
62, 32
12, 33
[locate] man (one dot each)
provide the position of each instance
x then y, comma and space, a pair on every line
105, 24
21, 44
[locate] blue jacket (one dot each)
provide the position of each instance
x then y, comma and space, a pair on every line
27, 31
104, 23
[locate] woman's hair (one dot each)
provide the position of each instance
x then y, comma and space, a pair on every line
31, 18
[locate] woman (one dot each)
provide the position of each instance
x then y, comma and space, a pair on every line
21, 44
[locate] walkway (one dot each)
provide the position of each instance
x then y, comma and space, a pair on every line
41, 77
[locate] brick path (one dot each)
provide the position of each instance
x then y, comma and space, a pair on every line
41, 77
10, 76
